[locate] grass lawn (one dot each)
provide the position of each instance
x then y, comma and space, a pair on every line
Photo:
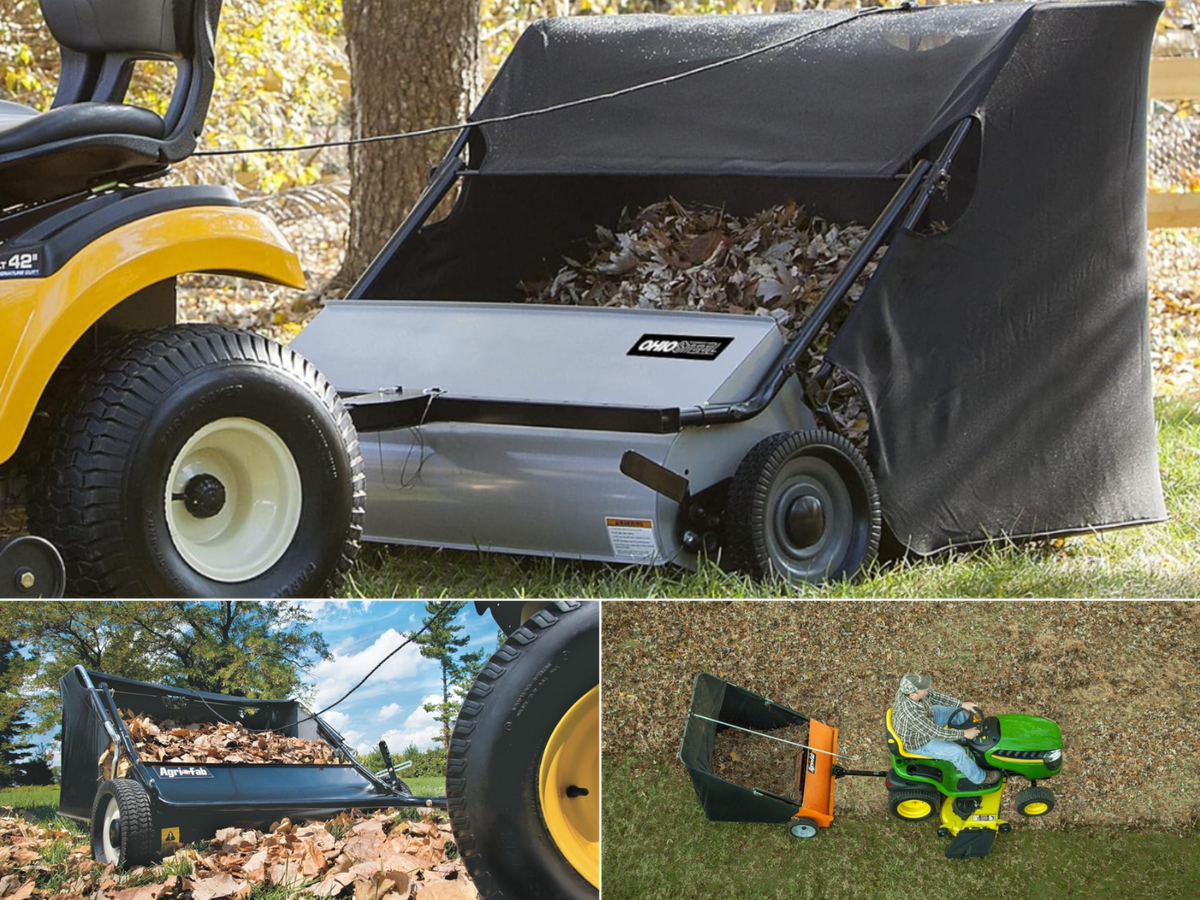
1152, 561
658, 846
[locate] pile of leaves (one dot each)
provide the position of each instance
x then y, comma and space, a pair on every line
777, 263
754, 761
1126, 761
355, 857
212, 742
1175, 310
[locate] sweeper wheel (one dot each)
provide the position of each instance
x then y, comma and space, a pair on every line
804, 507
522, 778
803, 828
30, 568
122, 825
1035, 801
200, 461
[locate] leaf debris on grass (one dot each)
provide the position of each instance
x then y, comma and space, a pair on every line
375, 856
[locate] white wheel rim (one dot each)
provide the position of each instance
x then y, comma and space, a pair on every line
111, 813
263, 498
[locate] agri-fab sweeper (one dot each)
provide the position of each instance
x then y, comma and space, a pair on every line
522, 775
919, 787
1001, 346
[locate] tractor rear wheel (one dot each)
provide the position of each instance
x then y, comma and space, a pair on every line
802, 506
913, 806
200, 461
522, 778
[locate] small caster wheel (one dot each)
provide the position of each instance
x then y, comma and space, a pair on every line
1005, 828
803, 828
943, 832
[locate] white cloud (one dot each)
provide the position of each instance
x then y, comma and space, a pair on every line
419, 728
336, 676
338, 720
386, 712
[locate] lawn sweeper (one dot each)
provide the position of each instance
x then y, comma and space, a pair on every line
522, 776
1001, 345
919, 787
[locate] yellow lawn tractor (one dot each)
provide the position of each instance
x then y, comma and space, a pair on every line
159, 459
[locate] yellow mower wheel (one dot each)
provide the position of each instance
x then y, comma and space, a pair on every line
913, 806
568, 786
1035, 801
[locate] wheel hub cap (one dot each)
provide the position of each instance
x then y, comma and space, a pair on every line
568, 786
114, 832
805, 521
204, 496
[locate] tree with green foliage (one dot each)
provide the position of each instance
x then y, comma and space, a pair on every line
441, 642
14, 753
244, 648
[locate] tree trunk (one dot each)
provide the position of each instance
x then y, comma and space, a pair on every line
413, 64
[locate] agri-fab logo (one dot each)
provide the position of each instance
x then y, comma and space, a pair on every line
184, 772
679, 346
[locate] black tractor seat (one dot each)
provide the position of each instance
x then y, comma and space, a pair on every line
28, 128
90, 136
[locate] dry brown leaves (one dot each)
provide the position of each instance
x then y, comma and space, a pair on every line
777, 263
760, 762
204, 742
374, 858
1118, 677
1175, 310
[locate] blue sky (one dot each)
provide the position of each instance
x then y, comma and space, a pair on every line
360, 633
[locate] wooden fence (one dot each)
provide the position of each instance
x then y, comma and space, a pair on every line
1174, 78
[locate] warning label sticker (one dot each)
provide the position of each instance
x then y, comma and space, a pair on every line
170, 836
632, 538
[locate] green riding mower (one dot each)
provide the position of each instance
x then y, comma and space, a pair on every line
919, 786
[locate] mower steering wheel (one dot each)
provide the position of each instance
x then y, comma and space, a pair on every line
963, 718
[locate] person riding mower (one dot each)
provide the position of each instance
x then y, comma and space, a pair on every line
1003, 746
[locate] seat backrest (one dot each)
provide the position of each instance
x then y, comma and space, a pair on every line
101, 40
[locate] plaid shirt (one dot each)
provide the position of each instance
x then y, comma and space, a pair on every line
913, 722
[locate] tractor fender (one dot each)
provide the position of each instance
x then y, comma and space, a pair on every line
41, 319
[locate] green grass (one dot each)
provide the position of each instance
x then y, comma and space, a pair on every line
1151, 561
426, 786
658, 846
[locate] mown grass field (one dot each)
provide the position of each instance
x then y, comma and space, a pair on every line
1153, 561
658, 846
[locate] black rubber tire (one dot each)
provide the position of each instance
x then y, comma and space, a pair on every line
750, 541
492, 771
895, 798
98, 495
1035, 795
137, 845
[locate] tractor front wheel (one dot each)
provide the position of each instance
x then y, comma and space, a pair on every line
523, 774
1035, 801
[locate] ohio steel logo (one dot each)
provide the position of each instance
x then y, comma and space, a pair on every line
679, 346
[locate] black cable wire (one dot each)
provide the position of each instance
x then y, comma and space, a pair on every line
446, 607
541, 111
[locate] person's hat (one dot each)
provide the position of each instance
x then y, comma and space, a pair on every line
911, 683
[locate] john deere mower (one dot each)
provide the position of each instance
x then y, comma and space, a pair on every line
919, 787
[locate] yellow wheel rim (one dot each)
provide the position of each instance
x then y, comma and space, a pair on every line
571, 765
914, 809
1036, 809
